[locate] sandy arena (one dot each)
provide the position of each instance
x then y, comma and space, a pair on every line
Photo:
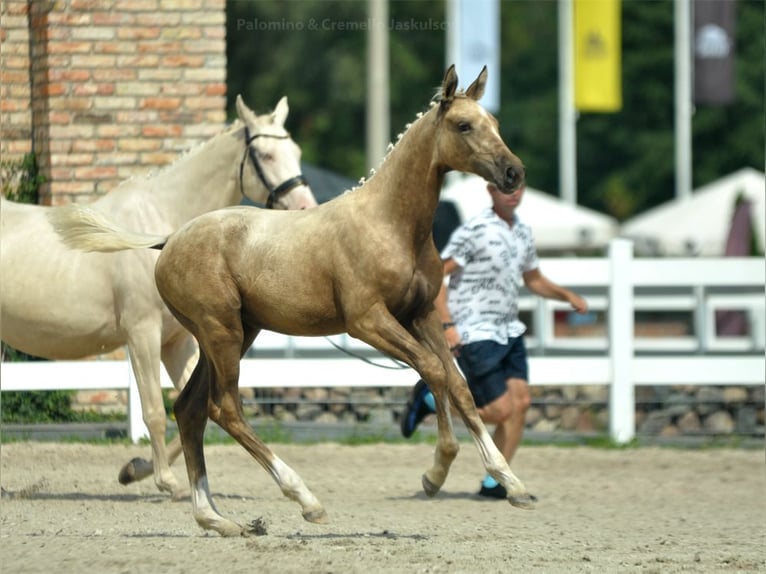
647, 510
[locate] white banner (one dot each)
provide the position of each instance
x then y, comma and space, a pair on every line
473, 41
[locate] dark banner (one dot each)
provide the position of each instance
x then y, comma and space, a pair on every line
714, 44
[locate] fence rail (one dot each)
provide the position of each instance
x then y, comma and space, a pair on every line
617, 285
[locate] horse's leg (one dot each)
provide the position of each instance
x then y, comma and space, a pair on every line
222, 344
459, 396
431, 358
143, 347
191, 413
179, 356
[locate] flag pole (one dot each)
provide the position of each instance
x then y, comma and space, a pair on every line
683, 97
378, 112
567, 112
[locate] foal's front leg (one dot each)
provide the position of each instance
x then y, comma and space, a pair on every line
430, 358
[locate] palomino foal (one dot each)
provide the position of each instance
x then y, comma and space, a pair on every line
364, 263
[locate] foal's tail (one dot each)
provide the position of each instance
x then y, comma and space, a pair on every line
84, 228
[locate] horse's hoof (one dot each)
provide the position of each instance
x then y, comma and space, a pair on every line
526, 501
180, 494
137, 469
429, 487
316, 516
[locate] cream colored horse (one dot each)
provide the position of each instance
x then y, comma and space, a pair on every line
364, 263
63, 304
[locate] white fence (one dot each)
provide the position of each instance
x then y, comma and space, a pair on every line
618, 287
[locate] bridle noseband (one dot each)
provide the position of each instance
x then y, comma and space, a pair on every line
274, 192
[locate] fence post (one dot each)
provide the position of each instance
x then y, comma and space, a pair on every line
136, 427
622, 423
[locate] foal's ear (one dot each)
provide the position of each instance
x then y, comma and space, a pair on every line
476, 90
279, 115
449, 84
245, 114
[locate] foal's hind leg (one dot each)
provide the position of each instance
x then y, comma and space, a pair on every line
213, 391
191, 414
225, 408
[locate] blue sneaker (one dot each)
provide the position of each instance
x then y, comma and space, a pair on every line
416, 409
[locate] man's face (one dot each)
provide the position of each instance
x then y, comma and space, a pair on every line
505, 201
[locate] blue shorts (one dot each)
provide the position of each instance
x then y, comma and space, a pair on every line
487, 366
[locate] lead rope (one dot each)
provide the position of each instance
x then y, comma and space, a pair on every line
398, 365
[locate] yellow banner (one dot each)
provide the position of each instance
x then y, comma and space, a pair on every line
597, 55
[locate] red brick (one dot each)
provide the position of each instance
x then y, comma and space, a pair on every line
69, 47
116, 18
94, 145
93, 90
160, 103
7, 77
52, 89
181, 60
215, 90
101, 172
161, 131
122, 47
138, 33
16, 8
71, 187
68, 75
60, 117
158, 47
85, 5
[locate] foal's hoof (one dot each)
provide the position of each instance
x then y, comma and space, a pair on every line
316, 516
429, 487
526, 501
137, 469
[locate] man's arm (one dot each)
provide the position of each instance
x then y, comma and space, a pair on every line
540, 285
450, 333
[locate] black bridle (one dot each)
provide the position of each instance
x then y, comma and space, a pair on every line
274, 192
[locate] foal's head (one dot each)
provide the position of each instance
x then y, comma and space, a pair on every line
275, 157
468, 138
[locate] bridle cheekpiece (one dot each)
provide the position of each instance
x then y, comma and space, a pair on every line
274, 191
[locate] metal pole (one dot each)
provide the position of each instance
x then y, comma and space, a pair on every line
683, 97
378, 112
567, 112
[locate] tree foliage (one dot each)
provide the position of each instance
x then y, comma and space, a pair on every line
315, 52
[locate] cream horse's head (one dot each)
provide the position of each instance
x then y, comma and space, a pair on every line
275, 157
468, 136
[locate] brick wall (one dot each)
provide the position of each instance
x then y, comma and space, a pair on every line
117, 87
15, 86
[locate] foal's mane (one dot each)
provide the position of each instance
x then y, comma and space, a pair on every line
435, 100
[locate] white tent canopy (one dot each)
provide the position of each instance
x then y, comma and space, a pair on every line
556, 225
700, 224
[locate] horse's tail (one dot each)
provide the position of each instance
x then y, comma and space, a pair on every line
84, 228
